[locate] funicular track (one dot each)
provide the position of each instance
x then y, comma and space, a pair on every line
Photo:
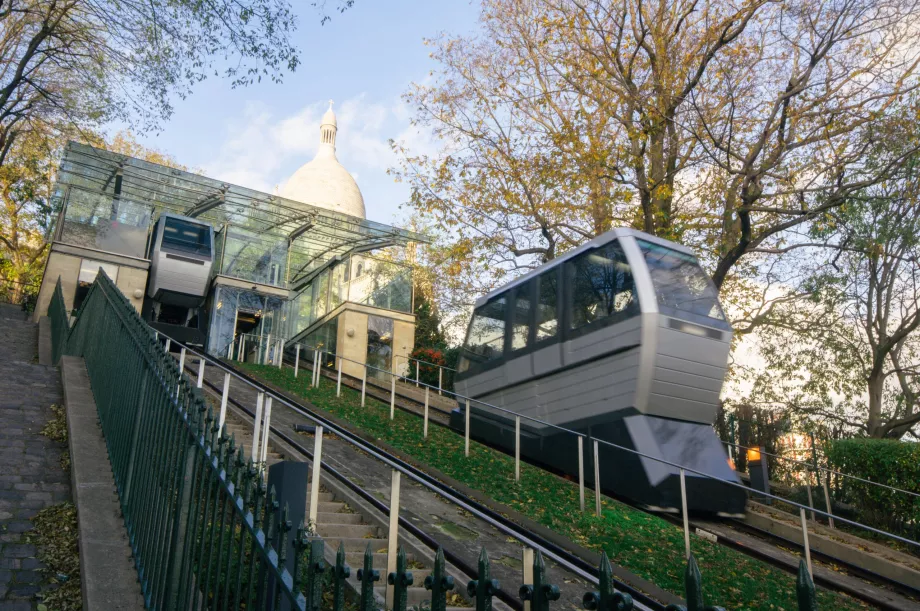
911, 592
563, 557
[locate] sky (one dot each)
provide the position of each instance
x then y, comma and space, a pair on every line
364, 60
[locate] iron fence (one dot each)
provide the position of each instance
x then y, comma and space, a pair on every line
204, 529
195, 509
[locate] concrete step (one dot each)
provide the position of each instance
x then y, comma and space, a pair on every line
324, 497
415, 595
330, 507
348, 531
358, 544
338, 518
356, 559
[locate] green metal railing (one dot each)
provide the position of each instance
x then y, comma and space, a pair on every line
194, 507
203, 528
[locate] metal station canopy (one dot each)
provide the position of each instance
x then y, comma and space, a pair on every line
314, 235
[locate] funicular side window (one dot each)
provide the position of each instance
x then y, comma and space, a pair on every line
547, 315
521, 308
485, 340
601, 288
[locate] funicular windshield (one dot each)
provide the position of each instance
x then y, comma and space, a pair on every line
485, 339
681, 285
184, 236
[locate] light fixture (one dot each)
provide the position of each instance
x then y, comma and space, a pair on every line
753, 455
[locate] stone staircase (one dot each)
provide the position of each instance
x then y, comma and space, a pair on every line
338, 523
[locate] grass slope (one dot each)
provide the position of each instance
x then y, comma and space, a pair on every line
640, 542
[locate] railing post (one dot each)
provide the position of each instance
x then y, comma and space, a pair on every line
225, 395
315, 570
538, 592
417, 376
581, 473
201, 362
805, 589
440, 379
392, 397
597, 480
827, 501
607, 598
280, 354
805, 541
338, 383
367, 576
181, 369
425, 415
439, 583
260, 398
399, 581
180, 523
268, 348
811, 502
342, 572
484, 587
393, 534
314, 483
266, 424
241, 352
138, 417
466, 430
364, 385
683, 504
517, 448
319, 368
527, 561
296, 359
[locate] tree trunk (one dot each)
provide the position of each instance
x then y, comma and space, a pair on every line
876, 385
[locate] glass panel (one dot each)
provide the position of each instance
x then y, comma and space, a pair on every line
547, 318
338, 290
180, 235
602, 285
99, 221
379, 346
486, 337
520, 316
253, 257
320, 296
381, 284
680, 282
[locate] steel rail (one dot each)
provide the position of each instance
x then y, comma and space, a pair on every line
557, 554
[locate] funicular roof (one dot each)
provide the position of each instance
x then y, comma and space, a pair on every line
317, 235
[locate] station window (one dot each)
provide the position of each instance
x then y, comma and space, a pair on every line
520, 316
547, 319
602, 286
680, 282
486, 338
89, 269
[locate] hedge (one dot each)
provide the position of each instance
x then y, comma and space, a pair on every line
886, 461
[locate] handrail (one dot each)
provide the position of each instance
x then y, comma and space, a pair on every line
635, 452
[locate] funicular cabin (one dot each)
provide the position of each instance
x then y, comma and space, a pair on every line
622, 339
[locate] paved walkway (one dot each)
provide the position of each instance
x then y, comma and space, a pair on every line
31, 477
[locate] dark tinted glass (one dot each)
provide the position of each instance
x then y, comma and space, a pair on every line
602, 286
183, 236
680, 282
520, 316
547, 319
485, 340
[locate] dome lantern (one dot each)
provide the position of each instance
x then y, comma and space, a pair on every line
324, 182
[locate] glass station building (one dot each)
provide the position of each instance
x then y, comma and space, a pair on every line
317, 273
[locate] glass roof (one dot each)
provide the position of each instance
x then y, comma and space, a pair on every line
318, 234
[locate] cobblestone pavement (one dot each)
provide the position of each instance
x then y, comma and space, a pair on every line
31, 477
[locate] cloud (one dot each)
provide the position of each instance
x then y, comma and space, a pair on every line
261, 150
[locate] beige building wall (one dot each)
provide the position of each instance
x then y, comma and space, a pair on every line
132, 282
129, 280
68, 268
351, 342
403, 344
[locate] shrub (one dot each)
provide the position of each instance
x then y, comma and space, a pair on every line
885, 461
